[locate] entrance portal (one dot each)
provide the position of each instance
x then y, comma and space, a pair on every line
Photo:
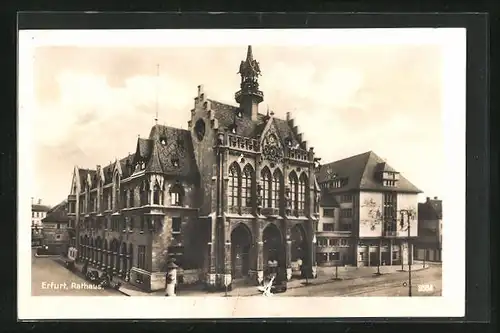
299, 244
241, 240
273, 246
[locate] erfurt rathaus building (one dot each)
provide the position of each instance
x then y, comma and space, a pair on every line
225, 197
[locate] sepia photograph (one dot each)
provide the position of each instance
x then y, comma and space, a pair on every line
247, 173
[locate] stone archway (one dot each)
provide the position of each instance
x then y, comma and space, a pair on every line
241, 240
273, 248
300, 248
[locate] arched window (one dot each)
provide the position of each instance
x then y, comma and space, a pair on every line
246, 186
267, 197
293, 191
301, 201
234, 175
276, 189
176, 195
156, 194
117, 191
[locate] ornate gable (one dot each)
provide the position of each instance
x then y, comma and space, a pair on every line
271, 143
118, 168
75, 182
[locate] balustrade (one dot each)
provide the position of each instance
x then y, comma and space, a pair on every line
242, 143
297, 154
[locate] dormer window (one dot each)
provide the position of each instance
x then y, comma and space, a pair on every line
337, 182
176, 195
239, 114
163, 141
175, 161
389, 178
288, 141
143, 165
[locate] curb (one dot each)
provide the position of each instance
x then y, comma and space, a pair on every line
47, 255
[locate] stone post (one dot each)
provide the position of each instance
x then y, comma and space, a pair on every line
227, 265
260, 255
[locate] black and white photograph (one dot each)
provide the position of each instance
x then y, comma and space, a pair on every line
241, 173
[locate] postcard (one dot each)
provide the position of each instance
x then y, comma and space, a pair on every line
241, 173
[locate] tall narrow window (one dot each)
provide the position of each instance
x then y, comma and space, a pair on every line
233, 185
276, 189
176, 225
141, 257
293, 191
131, 198
246, 187
266, 188
301, 201
156, 194
390, 204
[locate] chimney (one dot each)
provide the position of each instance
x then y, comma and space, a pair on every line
39, 201
435, 198
427, 199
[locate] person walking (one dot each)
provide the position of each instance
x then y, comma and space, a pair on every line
171, 279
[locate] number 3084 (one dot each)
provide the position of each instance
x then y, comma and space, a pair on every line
425, 288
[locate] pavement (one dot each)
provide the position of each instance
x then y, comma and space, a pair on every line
346, 276
50, 278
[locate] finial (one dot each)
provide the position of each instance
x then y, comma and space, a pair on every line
157, 84
268, 110
249, 53
272, 113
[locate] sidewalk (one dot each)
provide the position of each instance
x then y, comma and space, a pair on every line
325, 275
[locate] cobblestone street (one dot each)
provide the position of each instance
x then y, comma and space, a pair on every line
50, 278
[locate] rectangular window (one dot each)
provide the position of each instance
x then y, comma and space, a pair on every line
390, 212
395, 255
328, 226
175, 198
345, 226
328, 212
346, 198
143, 222
389, 183
322, 242
344, 242
334, 256
59, 226
276, 191
131, 198
302, 194
334, 242
141, 257
176, 225
346, 212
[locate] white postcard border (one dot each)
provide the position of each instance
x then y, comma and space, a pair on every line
450, 304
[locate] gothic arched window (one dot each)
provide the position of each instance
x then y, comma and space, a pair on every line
176, 195
156, 194
301, 200
234, 183
266, 188
246, 186
293, 190
276, 189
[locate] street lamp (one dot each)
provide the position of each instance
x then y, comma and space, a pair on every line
409, 215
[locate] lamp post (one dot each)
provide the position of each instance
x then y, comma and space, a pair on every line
409, 215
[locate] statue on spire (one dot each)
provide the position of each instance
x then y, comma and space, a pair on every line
249, 69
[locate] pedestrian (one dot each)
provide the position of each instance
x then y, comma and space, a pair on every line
171, 279
299, 265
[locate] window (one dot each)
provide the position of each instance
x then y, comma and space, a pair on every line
345, 226
176, 225
334, 256
293, 190
143, 222
267, 187
334, 242
156, 194
328, 227
328, 212
390, 212
176, 195
344, 242
389, 183
322, 242
58, 236
144, 193
59, 226
276, 189
141, 257
246, 187
233, 185
346, 212
131, 198
346, 198
302, 192
395, 255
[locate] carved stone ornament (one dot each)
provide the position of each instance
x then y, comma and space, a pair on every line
272, 150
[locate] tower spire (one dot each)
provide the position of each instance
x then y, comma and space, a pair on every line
249, 96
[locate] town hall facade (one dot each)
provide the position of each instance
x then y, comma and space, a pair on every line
233, 192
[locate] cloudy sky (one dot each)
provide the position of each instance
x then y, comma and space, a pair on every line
93, 102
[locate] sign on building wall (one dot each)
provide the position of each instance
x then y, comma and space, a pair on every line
370, 215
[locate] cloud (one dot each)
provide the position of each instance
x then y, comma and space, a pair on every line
93, 103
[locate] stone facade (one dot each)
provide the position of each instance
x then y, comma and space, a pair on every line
238, 188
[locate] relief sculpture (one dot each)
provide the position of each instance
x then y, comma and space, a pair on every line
373, 213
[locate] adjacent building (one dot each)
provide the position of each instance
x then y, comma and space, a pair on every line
368, 213
430, 227
234, 191
58, 232
38, 212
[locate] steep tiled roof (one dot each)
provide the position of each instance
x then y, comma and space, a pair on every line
328, 200
431, 210
173, 157
58, 213
360, 173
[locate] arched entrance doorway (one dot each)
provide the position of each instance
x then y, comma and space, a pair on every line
241, 240
273, 246
299, 244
